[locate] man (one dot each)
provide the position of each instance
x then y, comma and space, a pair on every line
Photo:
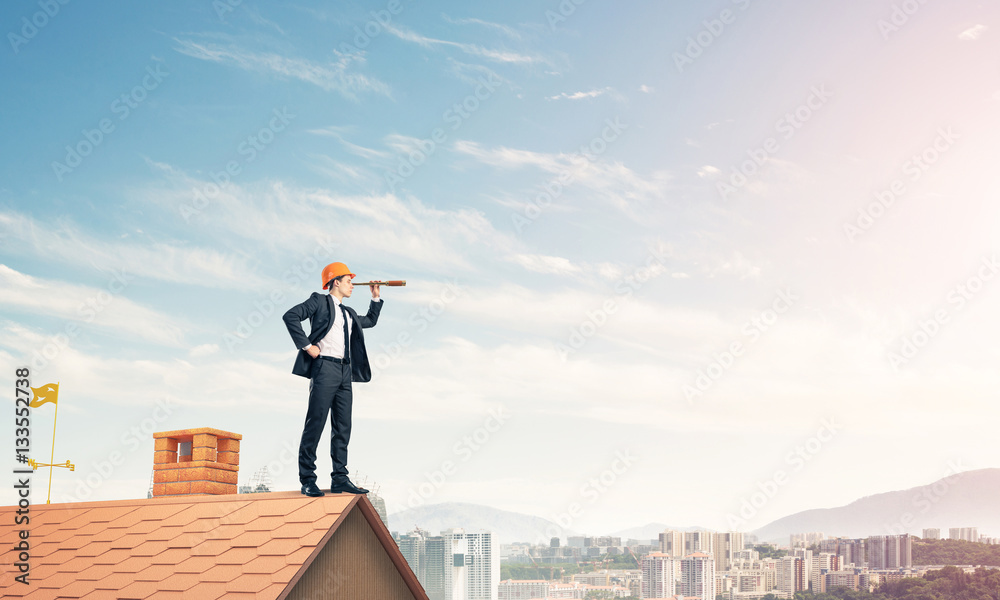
331, 356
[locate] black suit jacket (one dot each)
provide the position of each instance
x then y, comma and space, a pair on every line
317, 309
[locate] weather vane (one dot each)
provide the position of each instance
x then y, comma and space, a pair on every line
43, 395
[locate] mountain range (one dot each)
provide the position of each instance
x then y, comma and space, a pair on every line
963, 499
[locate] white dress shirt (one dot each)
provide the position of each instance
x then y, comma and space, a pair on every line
332, 343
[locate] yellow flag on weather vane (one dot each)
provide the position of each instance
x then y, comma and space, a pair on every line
46, 393
43, 395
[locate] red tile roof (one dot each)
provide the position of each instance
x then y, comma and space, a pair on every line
205, 547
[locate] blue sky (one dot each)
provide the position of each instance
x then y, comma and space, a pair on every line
649, 230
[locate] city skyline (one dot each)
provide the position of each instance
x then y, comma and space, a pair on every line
662, 261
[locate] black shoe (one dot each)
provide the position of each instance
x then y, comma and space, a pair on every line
346, 486
310, 489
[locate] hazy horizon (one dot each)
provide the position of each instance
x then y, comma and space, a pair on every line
659, 257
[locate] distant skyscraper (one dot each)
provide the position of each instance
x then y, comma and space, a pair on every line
823, 563
850, 551
672, 543
659, 576
481, 561
454, 565
791, 576
412, 545
379, 505
805, 539
807, 564
746, 555
725, 546
890, 552
969, 534
698, 576
931, 534
698, 541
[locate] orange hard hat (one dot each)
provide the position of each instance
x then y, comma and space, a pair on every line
334, 270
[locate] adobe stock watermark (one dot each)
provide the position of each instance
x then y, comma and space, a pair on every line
128, 444
564, 10
306, 269
914, 168
795, 460
30, 26
248, 149
580, 161
373, 27
786, 127
927, 497
623, 290
589, 494
752, 330
464, 449
899, 16
224, 7
87, 310
956, 300
418, 321
455, 117
122, 107
712, 29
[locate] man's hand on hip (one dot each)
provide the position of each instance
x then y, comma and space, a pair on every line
313, 351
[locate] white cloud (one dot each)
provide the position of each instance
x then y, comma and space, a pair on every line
341, 171
338, 132
334, 76
507, 30
502, 56
105, 307
280, 216
708, 171
612, 181
142, 257
585, 95
203, 350
973, 33
738, 265
645, 89
546, 264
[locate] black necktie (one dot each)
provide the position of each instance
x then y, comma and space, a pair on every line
347, 343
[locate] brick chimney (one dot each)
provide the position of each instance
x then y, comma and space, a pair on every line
197, 461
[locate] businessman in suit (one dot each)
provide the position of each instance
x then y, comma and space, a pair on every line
331, 356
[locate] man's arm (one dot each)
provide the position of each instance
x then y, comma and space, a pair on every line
369, 320
293, 321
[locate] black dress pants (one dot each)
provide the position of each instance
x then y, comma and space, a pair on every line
329, 393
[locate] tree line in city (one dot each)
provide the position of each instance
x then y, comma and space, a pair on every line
955, 552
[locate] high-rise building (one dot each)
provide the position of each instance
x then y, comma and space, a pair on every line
725, 547
412, 547
890, 552
659, 576
481, 561
443, 579
807, 564
931, 534
805, 539
969, 534
698, 541
834, 579
746, 555
698, 576
823, 563
851, 552
791, 576
672, 543
454, 565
